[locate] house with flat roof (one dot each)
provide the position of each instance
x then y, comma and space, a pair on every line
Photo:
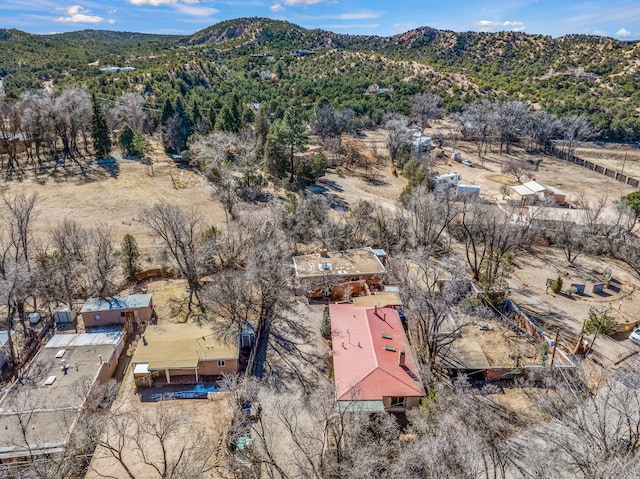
375, 368
117, 310
41, 408
532, 191
182, 353
341, 273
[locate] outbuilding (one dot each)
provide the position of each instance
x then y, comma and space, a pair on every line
117, 310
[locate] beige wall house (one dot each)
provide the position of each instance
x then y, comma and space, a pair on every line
181, 353
341, 273
117, 310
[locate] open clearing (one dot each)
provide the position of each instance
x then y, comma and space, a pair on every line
118, 200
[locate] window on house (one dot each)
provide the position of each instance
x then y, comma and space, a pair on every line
122, 314
397, 402
220, 364
96, 317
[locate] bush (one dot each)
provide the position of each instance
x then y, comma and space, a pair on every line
325, 326
556, 286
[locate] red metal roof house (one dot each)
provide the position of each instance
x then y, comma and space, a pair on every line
374, 366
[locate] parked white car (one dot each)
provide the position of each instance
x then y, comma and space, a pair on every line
635, 336
467, 162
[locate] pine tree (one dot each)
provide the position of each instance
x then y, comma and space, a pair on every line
181, 110
225, 120
99, 131
130, 256
125, 139
291, 134
167, 111
139, 145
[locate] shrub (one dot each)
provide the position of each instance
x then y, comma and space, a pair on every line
556, 286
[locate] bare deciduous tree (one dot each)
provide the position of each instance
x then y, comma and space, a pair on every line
159, 441
184, 239
131, 109
426, 107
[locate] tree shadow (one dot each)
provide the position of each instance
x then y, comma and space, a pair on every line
329, 185
110, 166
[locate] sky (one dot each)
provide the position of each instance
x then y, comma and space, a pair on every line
615, 18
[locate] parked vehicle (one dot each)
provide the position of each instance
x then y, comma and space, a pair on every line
635, 336
467, 162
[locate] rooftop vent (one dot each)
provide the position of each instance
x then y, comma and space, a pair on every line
389, 348
386, 336
325, 266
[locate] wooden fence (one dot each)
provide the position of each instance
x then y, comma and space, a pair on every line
616, 175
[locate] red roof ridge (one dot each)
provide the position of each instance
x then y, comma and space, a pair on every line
361, 373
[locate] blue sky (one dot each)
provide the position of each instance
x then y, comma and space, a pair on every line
615, 18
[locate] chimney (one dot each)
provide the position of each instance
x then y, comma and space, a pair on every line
401, 358
100, 358
375, 309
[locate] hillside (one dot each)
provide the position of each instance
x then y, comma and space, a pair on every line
261, 59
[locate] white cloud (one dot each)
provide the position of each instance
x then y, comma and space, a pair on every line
364, 15
303, 3
490, 25
78, 14
112, 21
623, 32
277, 7
359, 15
153, 3
196, 11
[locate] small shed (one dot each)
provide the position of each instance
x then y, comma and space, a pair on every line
4, 347
63, 314
559, 196
117, 310
468, 190
422, 143
524, 194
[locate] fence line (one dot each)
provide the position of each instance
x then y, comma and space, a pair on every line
616, 175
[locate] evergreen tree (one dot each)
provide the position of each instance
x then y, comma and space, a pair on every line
130, 256
291, 134
236, 112
140, 146
181, 110
261, 127
125, 139
167, 111
225, 120
99, 131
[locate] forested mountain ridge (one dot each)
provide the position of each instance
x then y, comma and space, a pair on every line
261, 59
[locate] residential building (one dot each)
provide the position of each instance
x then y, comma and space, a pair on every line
40, 409
183, 353
533, 191
375, 368
117, 310
341, 273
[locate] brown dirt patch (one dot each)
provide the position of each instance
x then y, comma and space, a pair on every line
505, 180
